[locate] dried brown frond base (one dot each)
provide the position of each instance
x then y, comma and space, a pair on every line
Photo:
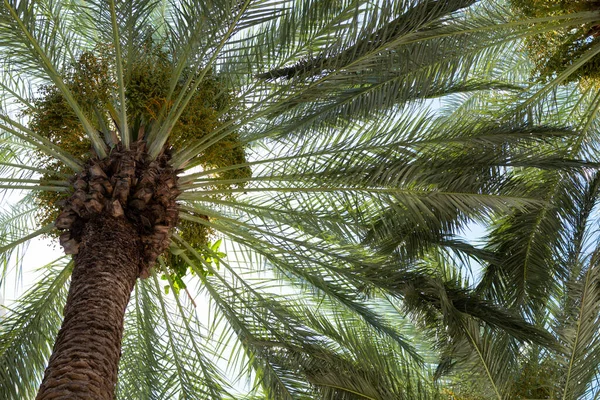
125, 184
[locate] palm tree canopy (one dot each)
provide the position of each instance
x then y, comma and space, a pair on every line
541, 261
320, 200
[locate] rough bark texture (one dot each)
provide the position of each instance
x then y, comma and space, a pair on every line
116, 223
126, 184
88, 347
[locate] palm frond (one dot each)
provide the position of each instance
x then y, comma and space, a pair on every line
484, 358
577, 331
27, 332
21, 18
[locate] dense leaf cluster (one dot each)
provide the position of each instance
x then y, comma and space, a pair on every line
91, 81
554, 50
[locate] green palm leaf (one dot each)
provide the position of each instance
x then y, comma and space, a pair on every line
305, 145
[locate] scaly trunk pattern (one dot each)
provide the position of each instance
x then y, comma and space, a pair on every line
116, 223
88, 347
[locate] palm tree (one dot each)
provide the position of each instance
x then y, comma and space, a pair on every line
144, 132
486, 364
543, 261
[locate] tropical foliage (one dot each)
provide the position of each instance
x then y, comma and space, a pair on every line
543, 262
329, 155
557, 48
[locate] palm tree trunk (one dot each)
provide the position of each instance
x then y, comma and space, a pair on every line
87, 350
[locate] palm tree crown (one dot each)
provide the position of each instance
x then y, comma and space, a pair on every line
279, 160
